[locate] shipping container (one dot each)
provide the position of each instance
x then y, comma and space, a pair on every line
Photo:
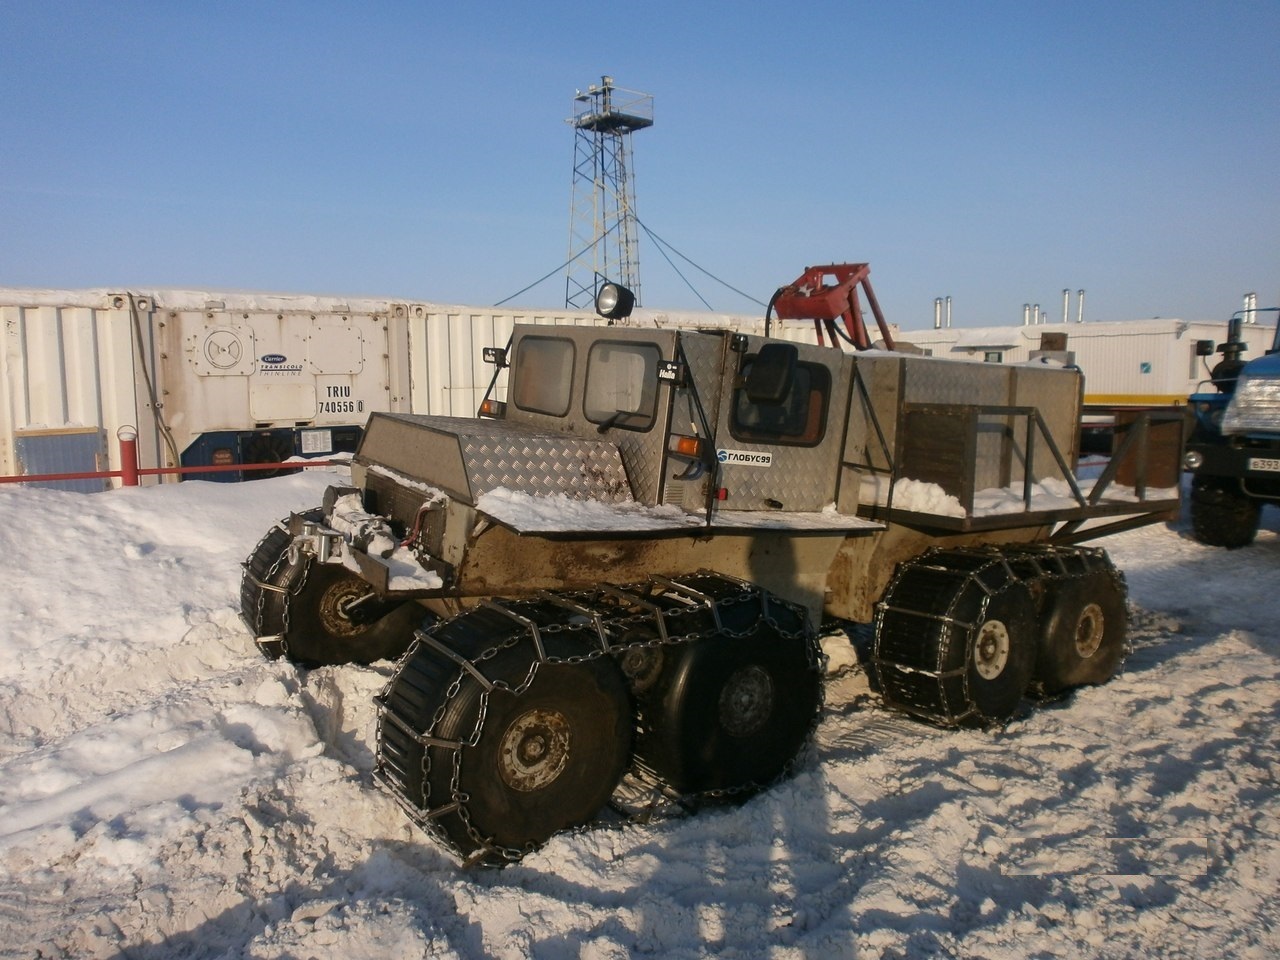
220, 379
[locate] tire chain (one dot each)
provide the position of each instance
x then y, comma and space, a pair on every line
273, 645
1028, 564
604, 622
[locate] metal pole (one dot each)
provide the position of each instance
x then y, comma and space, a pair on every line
128, 437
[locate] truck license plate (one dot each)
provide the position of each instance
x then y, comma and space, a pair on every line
1264, 463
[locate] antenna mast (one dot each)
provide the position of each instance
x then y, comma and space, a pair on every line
602, 228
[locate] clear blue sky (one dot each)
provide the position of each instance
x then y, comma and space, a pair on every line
993, 152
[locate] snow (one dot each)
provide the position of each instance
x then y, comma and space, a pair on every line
165, 792
558, 513
919, 496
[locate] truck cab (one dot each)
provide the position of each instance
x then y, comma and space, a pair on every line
1233, 447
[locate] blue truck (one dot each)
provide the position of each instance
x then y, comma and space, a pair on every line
1233, 445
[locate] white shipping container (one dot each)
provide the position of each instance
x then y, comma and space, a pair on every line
219, 378
205, 378
446, 346
67, 383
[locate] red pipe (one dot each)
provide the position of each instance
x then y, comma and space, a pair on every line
156, 471
128, 438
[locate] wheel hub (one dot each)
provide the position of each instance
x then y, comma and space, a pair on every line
1089, 629
746, 701
338, 612
642, 665
991, 652
534, 750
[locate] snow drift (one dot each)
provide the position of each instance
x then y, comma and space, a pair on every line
165, 792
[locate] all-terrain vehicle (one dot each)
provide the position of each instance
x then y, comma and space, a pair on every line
617, 571
1233, 448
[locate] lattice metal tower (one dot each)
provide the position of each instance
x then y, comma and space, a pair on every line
602, 227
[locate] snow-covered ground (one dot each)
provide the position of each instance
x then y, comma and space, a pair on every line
165, 792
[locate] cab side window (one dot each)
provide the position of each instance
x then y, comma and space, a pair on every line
799, 419
622, 384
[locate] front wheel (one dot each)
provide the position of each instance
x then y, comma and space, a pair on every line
497, 740
728, 714
318, 614
1222, 515
335, 618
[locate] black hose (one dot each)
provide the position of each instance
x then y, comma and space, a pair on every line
768, 311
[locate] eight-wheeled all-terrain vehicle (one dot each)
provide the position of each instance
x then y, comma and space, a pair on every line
617, 571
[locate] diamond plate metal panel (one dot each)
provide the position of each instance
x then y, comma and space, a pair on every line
939, 381
1057, 395
541, 464
931, 380
1000, 443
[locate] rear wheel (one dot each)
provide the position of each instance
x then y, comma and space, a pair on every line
998, 657
1083, 634
1222, 515
955, 638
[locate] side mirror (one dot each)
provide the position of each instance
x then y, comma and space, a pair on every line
771, 373
1204, 348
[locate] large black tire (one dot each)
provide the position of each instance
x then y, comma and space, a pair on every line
311, 609
728, 714
334, 618
502, 769
1084, 633
999, 656
263, 609
1222, 515
955, 639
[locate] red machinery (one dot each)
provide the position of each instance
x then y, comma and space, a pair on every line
827, 293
